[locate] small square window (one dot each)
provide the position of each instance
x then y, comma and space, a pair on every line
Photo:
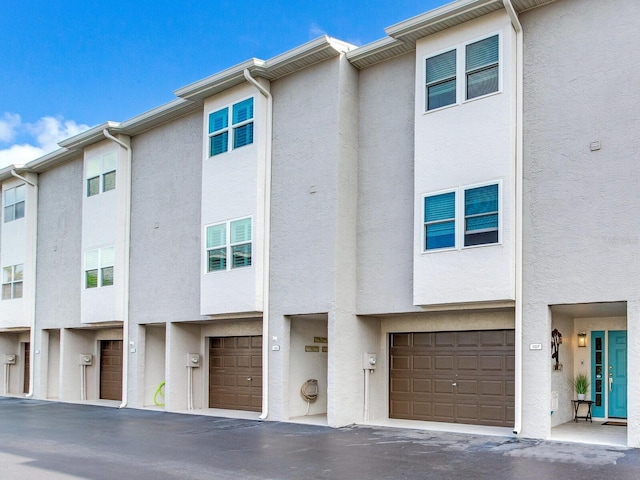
481, 215
14, 200
482, 67
12, 282
441, 80
222, 138
100, 173
229, 240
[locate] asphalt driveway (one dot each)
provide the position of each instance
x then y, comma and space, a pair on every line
50, 440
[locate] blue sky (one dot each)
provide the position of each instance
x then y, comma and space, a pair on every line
69, 65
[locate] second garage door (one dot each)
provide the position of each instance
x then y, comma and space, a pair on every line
455, 377
235, 373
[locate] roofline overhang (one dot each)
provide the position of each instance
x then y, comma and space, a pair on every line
305, 55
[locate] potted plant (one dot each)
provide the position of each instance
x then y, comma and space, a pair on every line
581, 385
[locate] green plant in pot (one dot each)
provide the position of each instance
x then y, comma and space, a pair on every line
581, 385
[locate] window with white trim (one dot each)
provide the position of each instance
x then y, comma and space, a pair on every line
231, 127
229, 245
477, 214
14, 203
101, 174
12, 282
98, 267
479, 67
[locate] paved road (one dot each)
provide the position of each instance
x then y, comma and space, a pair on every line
57, 441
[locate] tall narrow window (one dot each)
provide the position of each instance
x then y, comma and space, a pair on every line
229, 245
440, 221
223, 137
98, 267
482, 67
12, 282
481, 215
441, 80
101, 174
14, 203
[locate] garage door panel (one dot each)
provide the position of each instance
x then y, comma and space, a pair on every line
478, 362
111, 369
401, 385
421, 362
443, 362
467, 362
421, 385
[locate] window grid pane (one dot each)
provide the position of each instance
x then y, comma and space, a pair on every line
217, 259
107, 276
216, 236
241, 231
6, 291
109, 181
482, 67
243, 111
439, 217
17, 273
241, 255
93, 186
7, 274
18, 211
17, 290
219, 144
91, 278
243, 135
9, 213
481, 215
218, 120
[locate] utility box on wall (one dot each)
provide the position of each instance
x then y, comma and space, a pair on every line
193, 360
86, 359
10, 359
370, 360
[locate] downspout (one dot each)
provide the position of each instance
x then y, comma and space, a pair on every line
519, 195
266, 276
125, 286
32, 313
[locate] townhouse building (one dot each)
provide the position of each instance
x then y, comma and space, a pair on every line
406, 230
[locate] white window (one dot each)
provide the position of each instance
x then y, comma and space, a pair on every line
12, 282
98, 267
229, 245
225, 135
478, 66
474, 211
101, 174
14, 203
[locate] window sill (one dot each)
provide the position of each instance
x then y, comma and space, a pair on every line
482, 97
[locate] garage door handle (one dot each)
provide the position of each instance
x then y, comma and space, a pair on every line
249, 379
454, 384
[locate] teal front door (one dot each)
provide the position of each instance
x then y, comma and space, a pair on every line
617, 374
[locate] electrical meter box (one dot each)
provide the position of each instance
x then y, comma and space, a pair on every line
9, 359
370, 360
86, 359
193, 360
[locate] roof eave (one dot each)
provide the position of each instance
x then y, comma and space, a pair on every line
88, 137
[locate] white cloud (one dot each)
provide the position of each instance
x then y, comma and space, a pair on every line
8, 124
40, 137
316, 31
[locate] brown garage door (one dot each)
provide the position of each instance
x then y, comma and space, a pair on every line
111, 369
235, 373
455, 377
27, 367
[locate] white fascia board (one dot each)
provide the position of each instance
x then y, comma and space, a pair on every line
157, 116
88, 137
378, 51
438, 15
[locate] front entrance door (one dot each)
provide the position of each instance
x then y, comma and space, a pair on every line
617, 374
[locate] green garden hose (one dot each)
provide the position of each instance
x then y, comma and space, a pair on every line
159, 393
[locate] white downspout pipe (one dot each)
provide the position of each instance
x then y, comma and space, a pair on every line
125, 286
34, 259
519, 194
266, 275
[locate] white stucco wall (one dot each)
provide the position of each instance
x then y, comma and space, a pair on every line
233, 188
466, 144
579, 245
103, 225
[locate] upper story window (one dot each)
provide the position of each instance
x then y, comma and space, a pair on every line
12, 282
478, 66
101, 174
231, 127
229, 245
441, 80
482, 67
478, 215
98, 267
14, 203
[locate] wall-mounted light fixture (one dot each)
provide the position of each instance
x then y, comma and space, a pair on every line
582, 339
